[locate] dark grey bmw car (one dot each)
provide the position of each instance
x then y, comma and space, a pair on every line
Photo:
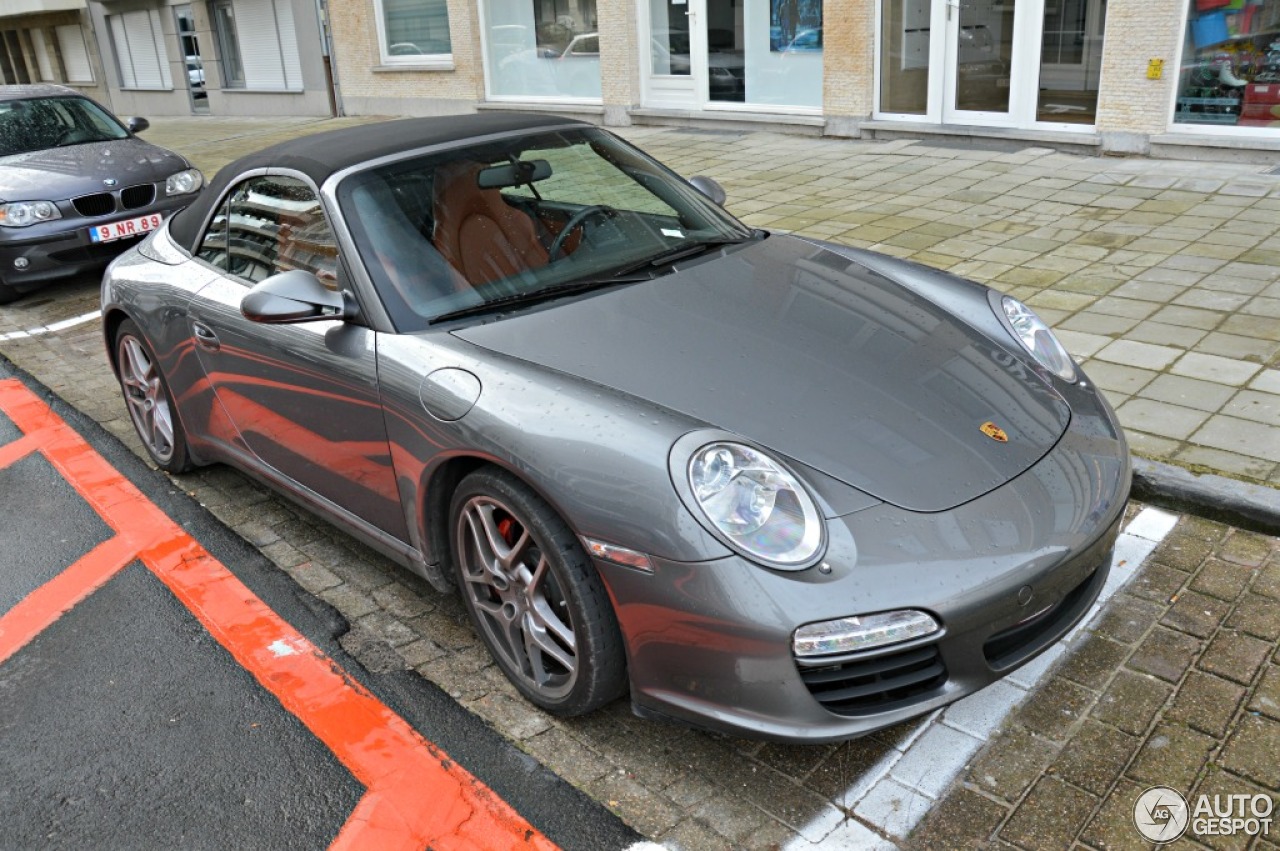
768, 485
77, 187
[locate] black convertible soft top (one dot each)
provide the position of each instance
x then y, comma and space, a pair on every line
322, 154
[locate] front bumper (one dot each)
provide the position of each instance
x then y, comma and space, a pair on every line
62, 248
1006, 575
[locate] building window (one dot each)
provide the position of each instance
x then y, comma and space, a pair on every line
543, 48
1071, 61
257, 44
413, 32
1230, 74
140, 52
75, 57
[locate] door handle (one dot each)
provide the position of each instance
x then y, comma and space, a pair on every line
205, 338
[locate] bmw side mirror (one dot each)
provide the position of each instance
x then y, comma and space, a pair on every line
294, 296
710, 188
137, 124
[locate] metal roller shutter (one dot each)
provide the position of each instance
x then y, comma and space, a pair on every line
140, 50
268, 44
75, 58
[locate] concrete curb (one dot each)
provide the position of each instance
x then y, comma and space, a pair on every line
1252, 507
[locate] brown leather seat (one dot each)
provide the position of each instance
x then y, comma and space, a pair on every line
481, 235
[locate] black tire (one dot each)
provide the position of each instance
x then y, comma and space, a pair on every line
148, 400
545, 616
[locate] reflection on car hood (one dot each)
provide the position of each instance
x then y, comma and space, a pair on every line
813, 356
56, 174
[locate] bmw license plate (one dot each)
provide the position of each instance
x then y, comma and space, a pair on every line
122, 229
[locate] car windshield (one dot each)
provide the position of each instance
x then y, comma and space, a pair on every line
34, 124
513, 221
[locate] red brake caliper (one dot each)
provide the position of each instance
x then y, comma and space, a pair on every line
506, 528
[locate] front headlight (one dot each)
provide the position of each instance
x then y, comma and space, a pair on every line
1037, 339
184, 182
21, 214
756, 504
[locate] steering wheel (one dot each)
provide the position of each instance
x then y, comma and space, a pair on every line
73, 136
575, 221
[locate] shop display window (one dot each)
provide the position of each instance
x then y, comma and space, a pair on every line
1230, 74
543, 48
765, 52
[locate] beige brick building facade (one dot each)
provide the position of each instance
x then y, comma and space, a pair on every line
1130, 72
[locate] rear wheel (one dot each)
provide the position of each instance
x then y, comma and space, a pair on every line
149, 401
534, 596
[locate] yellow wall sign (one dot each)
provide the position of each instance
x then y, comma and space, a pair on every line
1155, 69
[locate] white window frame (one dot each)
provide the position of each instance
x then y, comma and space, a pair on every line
437, 61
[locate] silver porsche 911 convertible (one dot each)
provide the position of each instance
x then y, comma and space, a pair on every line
768, 485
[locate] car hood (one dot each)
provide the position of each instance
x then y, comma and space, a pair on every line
57, 174
816, 357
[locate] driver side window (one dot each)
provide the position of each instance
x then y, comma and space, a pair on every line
268, 225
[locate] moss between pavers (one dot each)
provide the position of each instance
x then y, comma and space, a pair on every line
1252, 750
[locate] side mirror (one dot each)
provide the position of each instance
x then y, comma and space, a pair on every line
710, 188
137, 124
294, 296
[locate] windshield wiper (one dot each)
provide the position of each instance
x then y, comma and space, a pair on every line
681, 252
535, 296
624, 275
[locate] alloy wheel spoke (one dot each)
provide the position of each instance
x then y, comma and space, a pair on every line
550, 623
483, 544
542, 610
505, 554
539, 644
163, 428
137, 366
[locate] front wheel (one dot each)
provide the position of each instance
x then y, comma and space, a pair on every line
149, 402
534, 596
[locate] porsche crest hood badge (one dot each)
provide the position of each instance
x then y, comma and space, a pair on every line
994, 432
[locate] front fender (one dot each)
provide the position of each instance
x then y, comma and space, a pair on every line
597, 456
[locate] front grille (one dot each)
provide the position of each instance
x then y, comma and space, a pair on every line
879, 684
1010, 646
137, 196
101, 204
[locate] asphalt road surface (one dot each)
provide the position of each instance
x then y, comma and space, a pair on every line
164, 685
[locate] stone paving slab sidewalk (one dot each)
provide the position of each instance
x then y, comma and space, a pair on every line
1173, 678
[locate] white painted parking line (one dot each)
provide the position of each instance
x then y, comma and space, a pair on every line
52, 327
894, 795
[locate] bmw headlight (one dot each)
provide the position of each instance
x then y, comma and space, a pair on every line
1037, 339
184, 182
21, 214
758, 507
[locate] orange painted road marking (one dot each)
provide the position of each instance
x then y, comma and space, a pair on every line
415, 796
